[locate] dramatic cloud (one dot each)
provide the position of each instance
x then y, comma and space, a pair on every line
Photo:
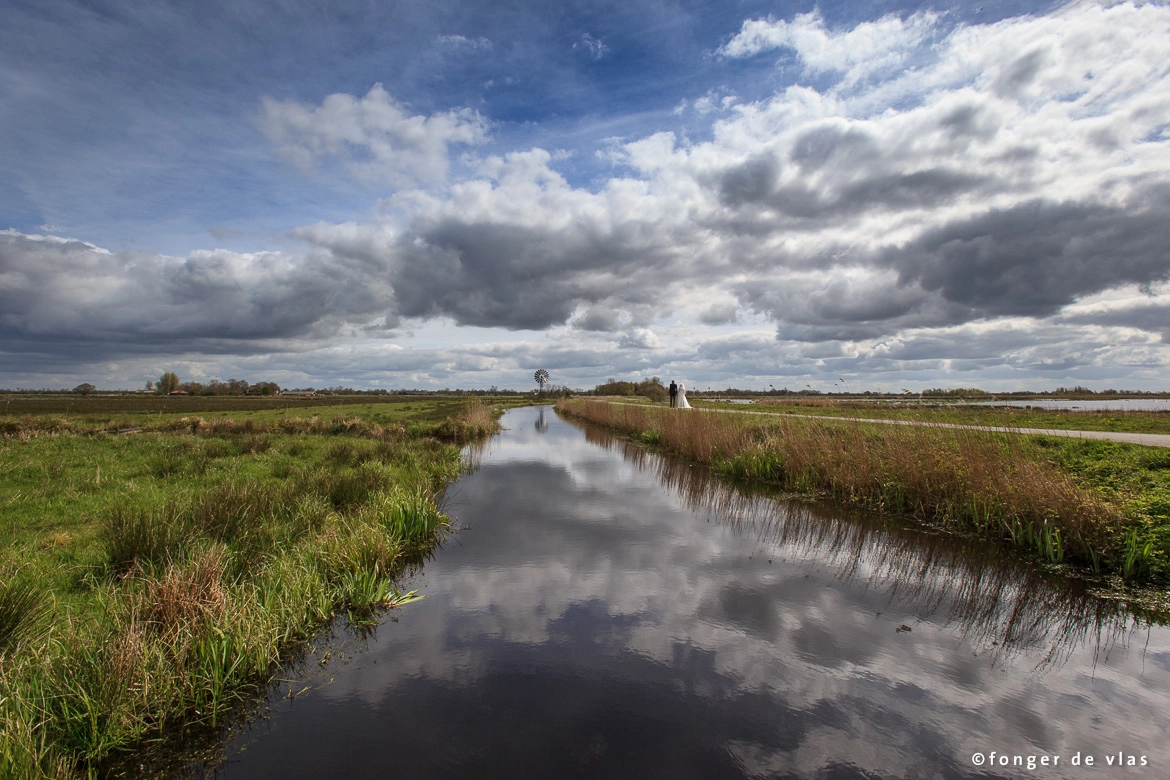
914, 197
989, 198
72, 296
522, 249
1038, 257
374, 134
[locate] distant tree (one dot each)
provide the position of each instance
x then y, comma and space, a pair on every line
614, 387
168, 382
541, 377
85, 388
149, 386
651, 388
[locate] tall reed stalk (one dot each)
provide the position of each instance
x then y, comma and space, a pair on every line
993, 483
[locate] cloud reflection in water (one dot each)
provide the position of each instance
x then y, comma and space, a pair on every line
607, 612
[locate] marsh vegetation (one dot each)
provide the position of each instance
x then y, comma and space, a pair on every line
150, 583
1102, 505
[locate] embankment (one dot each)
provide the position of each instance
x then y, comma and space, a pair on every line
998, 484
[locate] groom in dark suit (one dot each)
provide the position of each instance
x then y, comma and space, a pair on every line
673, 393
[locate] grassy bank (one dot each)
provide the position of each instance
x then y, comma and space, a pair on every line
1099, 504
990, 416
91, 414
151, 582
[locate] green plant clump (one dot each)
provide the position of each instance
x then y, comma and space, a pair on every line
152, 583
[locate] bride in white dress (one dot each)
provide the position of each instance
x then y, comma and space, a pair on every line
682, 397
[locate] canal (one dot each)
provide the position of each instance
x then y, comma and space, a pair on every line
605, 612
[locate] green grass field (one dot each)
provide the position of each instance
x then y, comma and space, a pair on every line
992, 416
100, 410
152, 580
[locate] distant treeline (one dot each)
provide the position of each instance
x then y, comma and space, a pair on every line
169, 383
234, 387
652, 388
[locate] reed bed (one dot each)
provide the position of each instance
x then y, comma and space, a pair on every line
1000, 606
996, 484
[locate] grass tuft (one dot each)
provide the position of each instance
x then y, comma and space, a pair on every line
144, 537
23, 609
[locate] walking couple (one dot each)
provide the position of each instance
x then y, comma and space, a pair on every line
678, 396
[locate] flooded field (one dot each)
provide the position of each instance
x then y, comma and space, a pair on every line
1091, 405
605, 612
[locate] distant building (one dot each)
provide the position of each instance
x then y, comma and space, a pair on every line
305, 393
177, 392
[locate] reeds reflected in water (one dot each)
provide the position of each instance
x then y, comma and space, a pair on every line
1000, 603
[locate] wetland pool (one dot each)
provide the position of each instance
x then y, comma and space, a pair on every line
602, 611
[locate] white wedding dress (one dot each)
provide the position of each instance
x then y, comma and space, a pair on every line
682, 397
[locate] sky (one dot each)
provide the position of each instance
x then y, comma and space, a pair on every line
435, 194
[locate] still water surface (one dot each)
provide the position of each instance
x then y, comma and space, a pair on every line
1090, 405
604, 612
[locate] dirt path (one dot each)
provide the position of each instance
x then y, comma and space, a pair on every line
1145, 439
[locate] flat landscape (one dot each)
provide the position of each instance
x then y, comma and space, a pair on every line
688, 389
966, 414
158, 562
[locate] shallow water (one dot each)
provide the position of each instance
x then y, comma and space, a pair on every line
1091, 405
603, 612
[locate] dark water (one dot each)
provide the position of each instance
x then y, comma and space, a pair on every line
607, 613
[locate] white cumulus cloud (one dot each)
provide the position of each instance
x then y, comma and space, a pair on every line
374, 134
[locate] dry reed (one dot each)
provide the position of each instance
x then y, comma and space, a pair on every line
186, 598
993, 482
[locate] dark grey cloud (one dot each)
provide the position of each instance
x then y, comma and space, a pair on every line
843, 146
719, 314
520, 273
1034, 258
751, 181
755, 183
835, 174
599, 318
488, 275
1152, 315
71, 297
1018, 74
852, 304
970, 121
742, 345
